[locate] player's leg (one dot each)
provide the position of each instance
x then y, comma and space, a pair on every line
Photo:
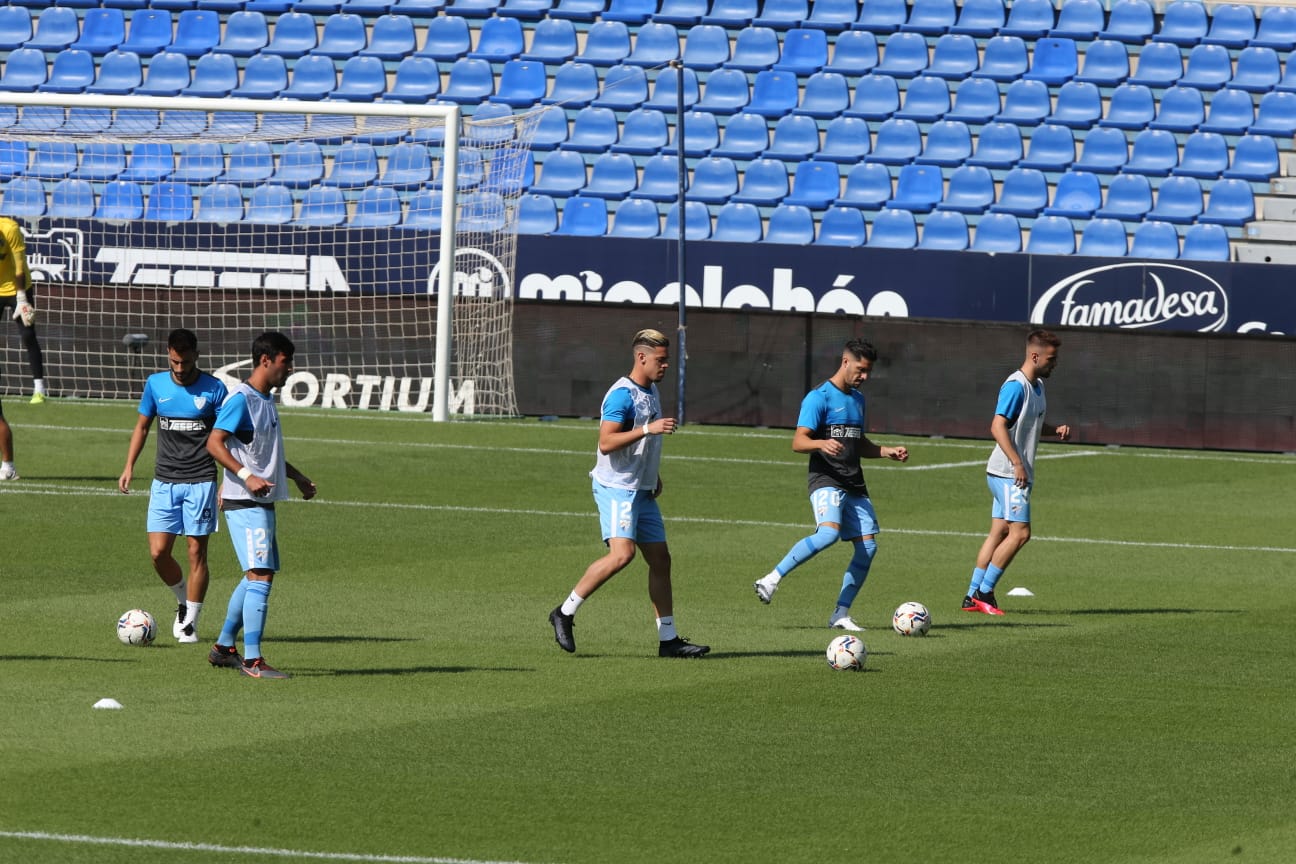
657, 555
827, 506
859, 524
1012, 509
34, 356
7, 469
616, 509
199, 524
259, 556
166, 520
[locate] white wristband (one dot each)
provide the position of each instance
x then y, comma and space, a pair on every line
647, 432
244, 473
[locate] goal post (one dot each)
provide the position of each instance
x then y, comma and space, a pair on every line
330, 221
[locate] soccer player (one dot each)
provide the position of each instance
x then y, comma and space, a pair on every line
626, 487
17, 293
248, 443
830, 429
182, 499
1010, 471
7, 469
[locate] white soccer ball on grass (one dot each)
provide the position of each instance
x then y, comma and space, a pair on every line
911, 619
847, 653
136, 627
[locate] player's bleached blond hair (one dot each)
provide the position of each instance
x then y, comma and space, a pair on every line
650, 339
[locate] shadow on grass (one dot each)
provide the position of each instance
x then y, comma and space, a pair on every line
63, 658
406, 670
340, 639
1127, 611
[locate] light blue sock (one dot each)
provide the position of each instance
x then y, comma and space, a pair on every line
254, 615
233, 616
856, 572
977, 575
991, 579
807, 548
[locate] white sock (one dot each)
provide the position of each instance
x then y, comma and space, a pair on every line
6, 465
771, 578
192, 610
180, 591
38, 385
666, 628
572, 603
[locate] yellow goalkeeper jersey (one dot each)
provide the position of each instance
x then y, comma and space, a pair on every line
13, 257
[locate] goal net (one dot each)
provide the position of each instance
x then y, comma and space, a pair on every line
326, 221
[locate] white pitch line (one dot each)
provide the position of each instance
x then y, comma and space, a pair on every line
86, 839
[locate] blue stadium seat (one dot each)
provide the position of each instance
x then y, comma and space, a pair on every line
1130, 106
644, 132
24, 71
1080, 20
613, 175
1154, 239
682, 13
1180, 109
269, 205
72, 72
15, 27
790, 224
584, 11
322, 206
998, 146
313, 77
805, 51
725, 92
562, 173
876, 97
832, 15
575, 85
774, 93
1104, 238
881, 16
470, 8
1024, 192
1204, 242
149, 162
391, 38
23, 197
1209, 67
380, 207
522, 84
659, 179
706, 47
499, 39
1026, 103
1054, 61
1051, 235
868, 186
594, 130
1277, 28
1106, 63
636, 217
36, 119
701, 135
904, 55
997, 232
697, 221
1029, 19
841, 226
197, 32
301, 164
854, 52
295, 36
530, 10
894, 229
1231, 112
948, 143
815, 185
1232, 25
1276, 115
781, 14
919, 189
635, 12
167, 75
56, 28
607, 43
508, 173
1003, 59
1257, 71
363, 79
898, 142
220, 202
754, 49
971, 190
72, 199
89, 121
1077, 196
553, 41
1052, 148
980, 18
170, 202
1205, 156
624, 88
731, 14
536, 214
1160, 64
1183, 22
1254, 158
1129, 198
447, 38
367, 8
149, 32
264, 77
1231, 202
472, 170
355, 166
745, 136
846, 140
955, 57
269, 7
975, 101
250, 163
200, 162
737, 222
796, 138
471, 81
665, 91
100, 162
926, 99
764, 183
320, 8
102, 30
1155, 153
945, 230
715, 178
214, 76
655, 45
930, 17
53, 160
1130, 21
1079, 105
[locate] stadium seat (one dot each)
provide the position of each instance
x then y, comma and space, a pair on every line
1232, 25
841, 226
1026, 103
1277, 28
636, 217
945, 230
250, 163
930, 17
301, 164
53, 160
149, 32
971, 190
894, 229
1155, 153
898, 142
1052, 148
665, 90
904, 55
1205, 242
1180, 109
975, 101
363, 79
805, 51
1024, 193
732, 14
832, 15
715, 178
948, 143
697, 221
745, 136
471, 81
682, 13
607, 43
594, 130
1130, 21
764, 183
659, 179
954, 57
1231, 112
102, 30
738, 222
1209, 67
1029, 19
1160, 64
1130, 106
1004, 59
574, 86
499, 39
15, 27
854, 52
815, 185
264, 77
919, 189
1080, 20
446, 38
89, 121
119, 73
354, 166
926, 99
1077, 195
100, 162
1183, 22
72, 199
998, 146
1129, 198
246, 33
706, 47
536, 214
1275, 115
170, 202
1254, 158
980, 18
199, 162
774, 94
577, 10
269, 205
1103, 238
1257, 71
613, 175
73, 71
624, 89
644, 132
1051, 235
562, 173
1231, 202
881, 16
522, 84
197, 32
725, 92
868, 187
24, 71
701, 135
655, 44
782, 14
553, 41
167, 74
149, 162
1106, 63
997, 232
1205, 156
1153, 239
391, 38
470, 8
24, 197
635, 12
754, 49
876, 97
56, 28
320, 8
790, 224
1078, 105
846, 140
220, 202
795, 138
294, 36
507, 173
313, 77
1054, 61
214, 76
322, 206
380, 207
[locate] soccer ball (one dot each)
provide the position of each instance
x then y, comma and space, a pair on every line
847, 653
911, 619
136, 627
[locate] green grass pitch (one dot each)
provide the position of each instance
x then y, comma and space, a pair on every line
1137, 709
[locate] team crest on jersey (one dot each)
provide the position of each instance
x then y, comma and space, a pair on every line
199, 402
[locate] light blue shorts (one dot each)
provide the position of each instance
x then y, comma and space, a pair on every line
252, 529
629, 514
854, 513
182, 508
1011, 502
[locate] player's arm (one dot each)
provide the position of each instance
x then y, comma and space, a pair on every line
869, 450
303, 482
139, 436
618, 413
219, 450
804, 441
1000, 430
1062, 431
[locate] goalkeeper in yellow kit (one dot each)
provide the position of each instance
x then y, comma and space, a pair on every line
16, 299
